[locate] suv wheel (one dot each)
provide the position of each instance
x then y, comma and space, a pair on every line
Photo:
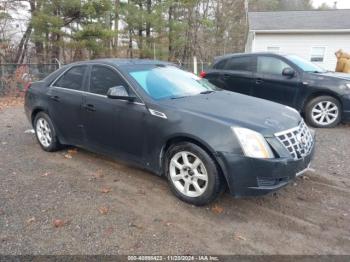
192, 174
323, 111
45, 132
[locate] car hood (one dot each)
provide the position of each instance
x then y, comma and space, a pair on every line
240, 110
337, 75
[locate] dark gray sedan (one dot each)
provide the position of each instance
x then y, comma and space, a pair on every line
171, 122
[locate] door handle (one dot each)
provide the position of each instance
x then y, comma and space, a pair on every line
226, 76
89, 107
259, 81
55, 98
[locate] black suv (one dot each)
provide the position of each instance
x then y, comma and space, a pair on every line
322, 97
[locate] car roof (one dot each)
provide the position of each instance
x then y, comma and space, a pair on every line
122, 62
246, 54
117, 62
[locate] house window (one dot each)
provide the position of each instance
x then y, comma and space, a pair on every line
317, 54
273, 49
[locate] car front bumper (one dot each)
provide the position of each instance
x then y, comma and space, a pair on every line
254, 177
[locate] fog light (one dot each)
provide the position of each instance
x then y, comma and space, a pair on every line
271, 181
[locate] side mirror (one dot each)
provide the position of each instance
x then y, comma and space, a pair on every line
288, 72
119, 92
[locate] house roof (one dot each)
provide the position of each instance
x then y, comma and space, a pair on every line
330, 20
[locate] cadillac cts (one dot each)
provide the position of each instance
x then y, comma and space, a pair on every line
171, 122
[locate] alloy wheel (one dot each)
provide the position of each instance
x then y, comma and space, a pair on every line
43, 132
325, 113
188, 174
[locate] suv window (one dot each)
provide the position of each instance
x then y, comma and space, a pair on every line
72, 79
271, 65
220, 64
244, 63
103, 78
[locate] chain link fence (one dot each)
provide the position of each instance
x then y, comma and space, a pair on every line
201, 66
14, 77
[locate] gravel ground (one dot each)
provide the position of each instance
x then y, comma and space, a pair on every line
76, 202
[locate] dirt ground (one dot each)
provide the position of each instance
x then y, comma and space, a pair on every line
75, 202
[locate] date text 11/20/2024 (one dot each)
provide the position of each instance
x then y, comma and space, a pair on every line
173, 258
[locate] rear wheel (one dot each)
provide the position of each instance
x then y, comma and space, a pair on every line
45, 132
323, 111
192, 174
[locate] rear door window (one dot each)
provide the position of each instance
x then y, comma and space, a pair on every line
220, 64
72, 79
103, 78
271, 65
244, 63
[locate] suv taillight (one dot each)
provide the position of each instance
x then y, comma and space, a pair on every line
203, 74
27, 86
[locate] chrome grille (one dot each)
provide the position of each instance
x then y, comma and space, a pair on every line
298, 140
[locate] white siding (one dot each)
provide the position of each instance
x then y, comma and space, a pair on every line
301, 45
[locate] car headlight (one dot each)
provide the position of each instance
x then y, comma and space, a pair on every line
348, 86
253, 143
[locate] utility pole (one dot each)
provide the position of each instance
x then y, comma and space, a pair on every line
246, 10
195, 67
154, 50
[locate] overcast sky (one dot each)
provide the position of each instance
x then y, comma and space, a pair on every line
340, 3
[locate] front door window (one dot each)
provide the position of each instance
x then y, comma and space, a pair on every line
271, 65
103, 78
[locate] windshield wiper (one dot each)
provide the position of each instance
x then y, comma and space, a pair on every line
202, 93
178, 97
207, 92
317, 72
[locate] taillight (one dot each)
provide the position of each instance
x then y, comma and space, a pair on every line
27, 86
203, 74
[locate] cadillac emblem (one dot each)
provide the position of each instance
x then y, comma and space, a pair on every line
302, 141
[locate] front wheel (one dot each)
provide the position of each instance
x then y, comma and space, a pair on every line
323, 111
192, 174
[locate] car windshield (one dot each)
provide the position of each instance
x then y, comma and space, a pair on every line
305, 65
169, 82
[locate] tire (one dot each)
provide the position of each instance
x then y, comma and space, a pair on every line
44, 129
188, 178
323, 112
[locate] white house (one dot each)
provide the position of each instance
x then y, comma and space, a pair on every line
312, 35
